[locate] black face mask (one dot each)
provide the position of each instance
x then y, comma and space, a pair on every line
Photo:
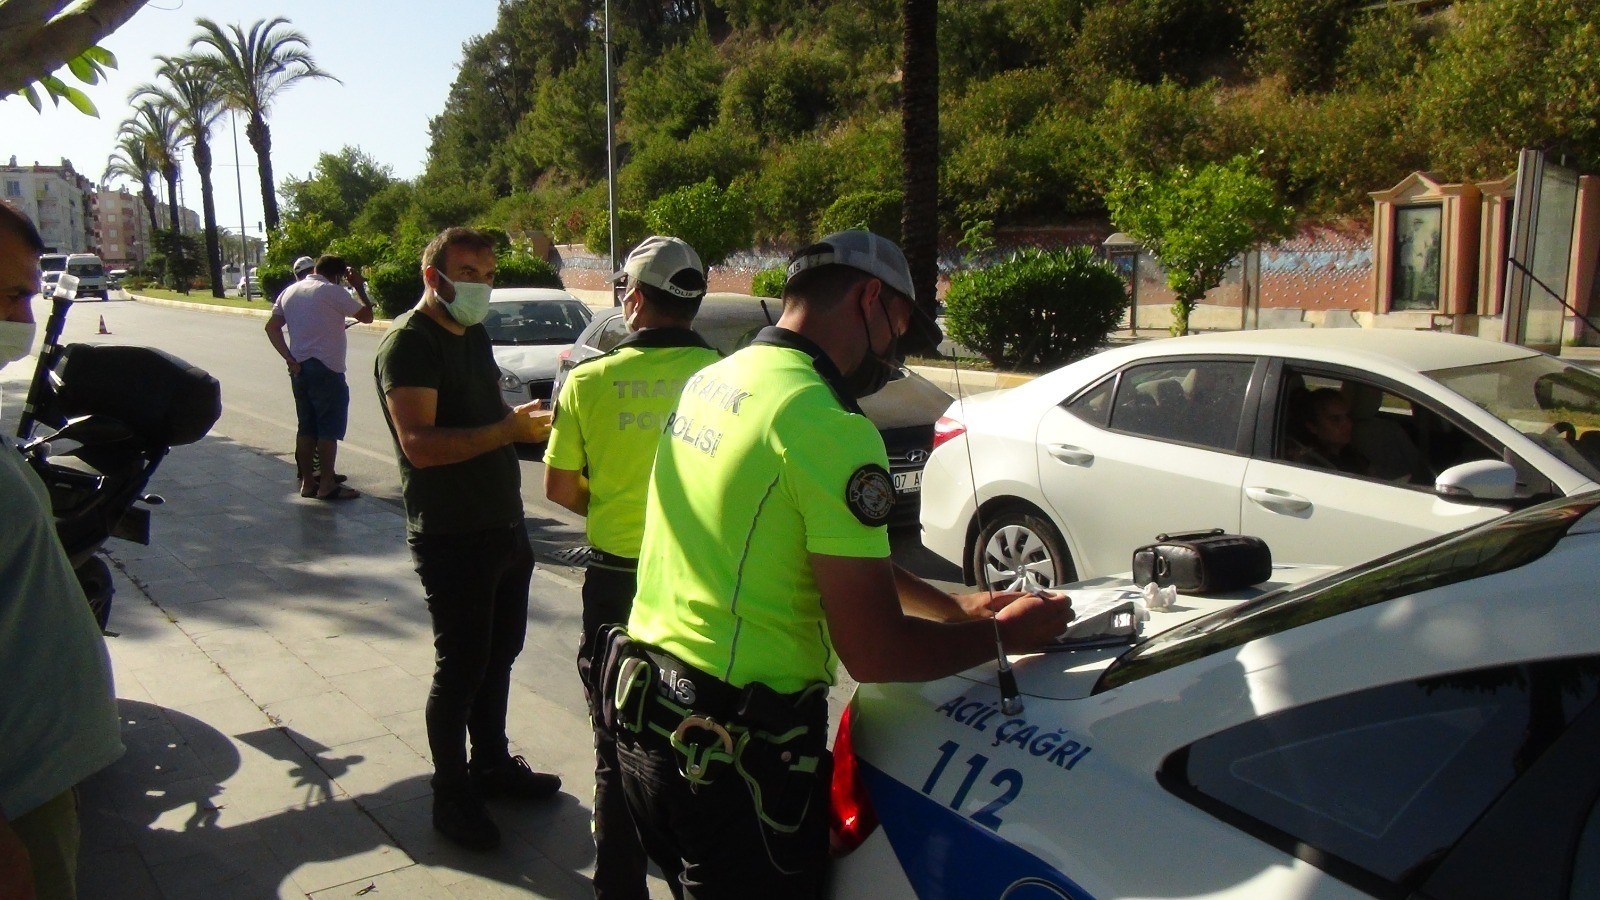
874, 371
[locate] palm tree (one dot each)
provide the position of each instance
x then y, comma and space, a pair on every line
130, 161
919, 152
195, 101
154, 127
252, 69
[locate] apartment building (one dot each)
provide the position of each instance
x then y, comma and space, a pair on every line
121, 227
57, 199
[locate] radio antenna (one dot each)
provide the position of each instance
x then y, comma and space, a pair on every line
1010, 695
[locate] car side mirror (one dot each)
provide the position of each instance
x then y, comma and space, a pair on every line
1483, 479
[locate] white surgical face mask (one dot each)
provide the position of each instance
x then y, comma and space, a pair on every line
16, 340
471, 303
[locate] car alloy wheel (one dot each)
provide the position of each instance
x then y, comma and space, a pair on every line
1020, 551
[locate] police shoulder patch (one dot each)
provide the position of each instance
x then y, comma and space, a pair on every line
870, 494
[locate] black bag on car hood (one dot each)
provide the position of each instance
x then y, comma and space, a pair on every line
159, 397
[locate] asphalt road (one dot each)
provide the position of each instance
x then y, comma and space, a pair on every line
258, 410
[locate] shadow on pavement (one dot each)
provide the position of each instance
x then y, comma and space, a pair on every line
190, 812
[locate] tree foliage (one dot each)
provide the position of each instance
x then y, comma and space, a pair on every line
715, 222
1298, 39
38, 38
1197, 221
338, 188
307, 235
252, 67
782, 92
175, 258
1041, 104
1516, 73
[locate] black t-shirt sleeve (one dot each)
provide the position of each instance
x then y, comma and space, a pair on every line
411, 360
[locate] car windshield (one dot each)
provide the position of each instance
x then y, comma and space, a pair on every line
1497, 546
729, 336
535, 321
86, 268
727, 325
1553, 403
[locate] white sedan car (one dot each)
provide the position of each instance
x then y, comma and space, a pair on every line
1334, 445
1420, 726
531, 328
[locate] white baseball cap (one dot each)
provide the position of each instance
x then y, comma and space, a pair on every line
667, 263
304, 264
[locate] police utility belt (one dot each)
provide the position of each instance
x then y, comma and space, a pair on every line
775, 742
600, 559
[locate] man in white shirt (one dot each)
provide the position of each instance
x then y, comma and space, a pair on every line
313, 310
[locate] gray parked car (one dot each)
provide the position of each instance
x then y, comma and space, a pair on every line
904, 410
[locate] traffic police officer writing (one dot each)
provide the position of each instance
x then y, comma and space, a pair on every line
609, 418
765, 563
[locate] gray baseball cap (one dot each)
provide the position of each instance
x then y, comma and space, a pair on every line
667, 263
871, 253
304, 264
877, 256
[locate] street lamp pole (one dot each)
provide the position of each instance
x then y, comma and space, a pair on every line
611, 151
238, 182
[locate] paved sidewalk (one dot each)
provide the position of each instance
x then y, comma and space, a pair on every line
272, 657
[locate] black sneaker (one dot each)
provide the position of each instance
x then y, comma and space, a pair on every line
514, 778
462, 817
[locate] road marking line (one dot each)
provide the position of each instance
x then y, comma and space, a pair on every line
294, 429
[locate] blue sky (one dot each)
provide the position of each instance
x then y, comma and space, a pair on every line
396, 60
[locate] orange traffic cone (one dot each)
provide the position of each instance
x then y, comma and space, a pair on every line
103, 328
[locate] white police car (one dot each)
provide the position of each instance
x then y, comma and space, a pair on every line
1420, 726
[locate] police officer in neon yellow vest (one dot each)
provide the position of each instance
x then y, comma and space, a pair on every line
765, 564
608, 420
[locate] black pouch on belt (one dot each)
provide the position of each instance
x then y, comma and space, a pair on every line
787, 776
624, 681
1203, 561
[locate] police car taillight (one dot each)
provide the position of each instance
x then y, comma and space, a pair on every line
851, 818
945, 429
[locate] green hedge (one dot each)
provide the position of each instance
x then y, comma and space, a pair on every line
630, 231
519, 269
769, 282
1037, 309
395, 287
876, 211
274, 278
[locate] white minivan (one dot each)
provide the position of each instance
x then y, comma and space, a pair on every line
91, 274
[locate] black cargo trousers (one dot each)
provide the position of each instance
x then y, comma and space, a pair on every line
620, 863
753, 823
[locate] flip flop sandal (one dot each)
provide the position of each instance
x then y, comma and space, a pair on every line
340, 493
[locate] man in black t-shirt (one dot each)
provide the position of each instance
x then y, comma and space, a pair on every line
460, 478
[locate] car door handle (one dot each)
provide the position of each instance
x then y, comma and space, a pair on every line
1072, 456
1280, 501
